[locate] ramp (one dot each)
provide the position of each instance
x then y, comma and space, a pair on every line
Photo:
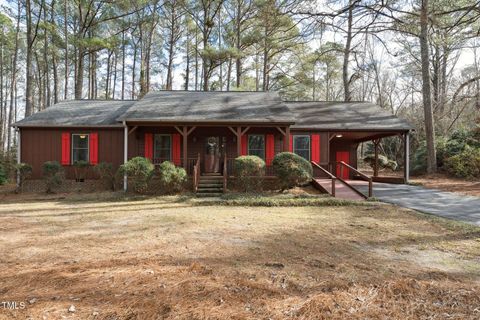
342, 191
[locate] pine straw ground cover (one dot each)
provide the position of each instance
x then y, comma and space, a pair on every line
164, 258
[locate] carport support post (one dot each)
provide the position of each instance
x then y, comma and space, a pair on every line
376, 142
125, 154
406, 165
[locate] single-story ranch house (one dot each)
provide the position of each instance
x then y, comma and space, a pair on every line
205, 131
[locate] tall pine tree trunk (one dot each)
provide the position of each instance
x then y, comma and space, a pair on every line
426, 88
346, 54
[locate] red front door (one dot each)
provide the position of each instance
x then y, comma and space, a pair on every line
345, 157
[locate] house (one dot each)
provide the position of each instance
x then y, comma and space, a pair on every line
204, 130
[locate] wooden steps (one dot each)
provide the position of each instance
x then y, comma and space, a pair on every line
210, 185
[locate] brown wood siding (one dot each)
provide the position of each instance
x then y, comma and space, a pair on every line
39, 145
136, 139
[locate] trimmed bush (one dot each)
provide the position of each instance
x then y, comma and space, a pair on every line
3, 175
465, 164
53, 174
172, 178
292, 170
107, 174
80, 170
24, 170
139, 170
249, 171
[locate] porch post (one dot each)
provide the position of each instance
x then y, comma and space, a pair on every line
125, 153
286, 146
406, 166
239, 141
19, 154
376, 142
185, 141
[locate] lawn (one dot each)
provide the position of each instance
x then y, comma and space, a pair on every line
169, 258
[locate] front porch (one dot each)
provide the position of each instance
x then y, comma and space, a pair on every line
212, 148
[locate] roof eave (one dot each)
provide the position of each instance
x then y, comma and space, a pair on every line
231, 121
66, 126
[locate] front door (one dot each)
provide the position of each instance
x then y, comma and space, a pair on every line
211, 157
345, 157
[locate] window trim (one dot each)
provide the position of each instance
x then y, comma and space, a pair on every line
72, 161
309, 144
264, 144
170, 156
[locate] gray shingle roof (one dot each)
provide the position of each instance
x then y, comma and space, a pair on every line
345, 116
210, 106
79, 113
196, 106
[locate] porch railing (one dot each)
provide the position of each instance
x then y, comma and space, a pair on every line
344, 166
329, 175
196, 174
231, 167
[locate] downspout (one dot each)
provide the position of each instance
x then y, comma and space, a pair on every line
125, 153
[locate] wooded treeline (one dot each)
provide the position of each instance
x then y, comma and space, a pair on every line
418, 59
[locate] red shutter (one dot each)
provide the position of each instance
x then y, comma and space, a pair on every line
65, 148
290, 147
149, 146
177, 159
93, 148
315, 148
244, 145
270, 149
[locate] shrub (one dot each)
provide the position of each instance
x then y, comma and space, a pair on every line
3, 175
139, 170
292, 170
80, 169
53, 174
172, 178
107, 174
249, 171
24, 170
465, 164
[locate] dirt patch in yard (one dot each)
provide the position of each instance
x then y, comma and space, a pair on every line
443, 182
160, 258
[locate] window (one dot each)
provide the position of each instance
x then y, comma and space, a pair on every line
301, 146
162, 147
256, 145
80, 145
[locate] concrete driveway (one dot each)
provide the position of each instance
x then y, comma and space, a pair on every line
441, 203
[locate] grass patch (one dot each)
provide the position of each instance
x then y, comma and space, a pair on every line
278, 200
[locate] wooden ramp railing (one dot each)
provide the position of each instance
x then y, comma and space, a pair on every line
362, 175
329, 175
196, 174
